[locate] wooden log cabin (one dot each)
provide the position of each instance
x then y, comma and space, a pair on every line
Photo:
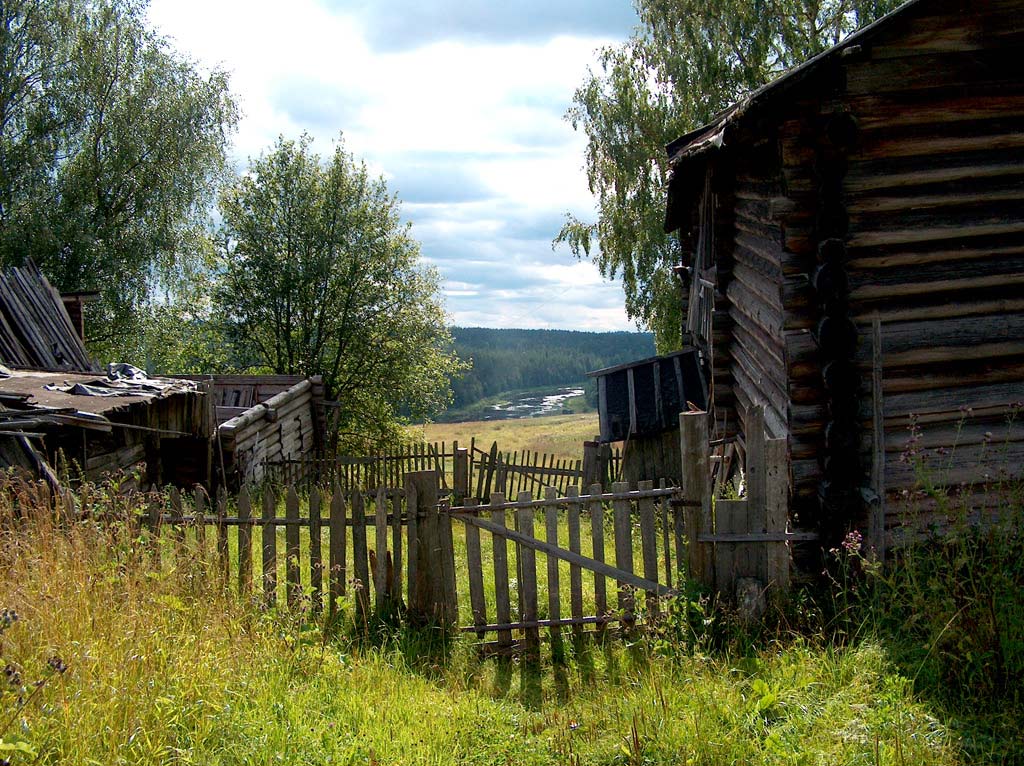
883, 179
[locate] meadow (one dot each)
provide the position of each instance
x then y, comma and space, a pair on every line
113, 655
558, 435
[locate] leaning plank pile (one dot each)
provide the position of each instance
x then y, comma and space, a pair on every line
35, 330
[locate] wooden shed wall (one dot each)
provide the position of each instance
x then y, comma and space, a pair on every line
935, 194
282, 428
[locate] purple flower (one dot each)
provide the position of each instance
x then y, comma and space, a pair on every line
852, 541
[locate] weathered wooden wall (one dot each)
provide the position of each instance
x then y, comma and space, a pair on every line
282, 428
935, 194
885, 181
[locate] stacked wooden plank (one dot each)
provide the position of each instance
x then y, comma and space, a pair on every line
280, 429
35, 330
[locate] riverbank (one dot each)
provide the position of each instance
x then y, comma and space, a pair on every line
523, 403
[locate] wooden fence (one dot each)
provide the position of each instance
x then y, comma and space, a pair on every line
408, 552
463, 472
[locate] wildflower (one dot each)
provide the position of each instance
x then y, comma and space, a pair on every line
7, 618
57, 664
852, 541
13, 676
988, 437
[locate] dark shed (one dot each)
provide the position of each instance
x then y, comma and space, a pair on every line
883, 179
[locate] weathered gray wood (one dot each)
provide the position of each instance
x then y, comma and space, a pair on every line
177, 530
316, 566
396, 546
244, 541
730, 518
777, 512
649, 543
460, 477
380, 570
575, 572
502, 603
432, 597
666, 544
223, 555
596, 508
291, 535
412, 531
623, 527
876, 523
200, 506
693, 435
528, 577
474, 565
554, 589
751, 560
269, 547
336, 551
360, 565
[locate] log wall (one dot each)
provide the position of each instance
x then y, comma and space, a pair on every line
935, 194
889, 183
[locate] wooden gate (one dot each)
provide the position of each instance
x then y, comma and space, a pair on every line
630, 539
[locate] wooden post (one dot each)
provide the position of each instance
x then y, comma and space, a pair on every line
575, 573
269, 547
649, 544
596, 508
476, 574
360, 565
380, 569
291, 536
223, 558
623, 526
554, 589
502, 602
776, 458
244, 541
432, 594
460, 478
315, 561
528, 579
751, 558
591, 466
693, 436
336, 555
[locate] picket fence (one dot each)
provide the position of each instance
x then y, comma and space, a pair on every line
406, 553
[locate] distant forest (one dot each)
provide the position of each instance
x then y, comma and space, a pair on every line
510, 360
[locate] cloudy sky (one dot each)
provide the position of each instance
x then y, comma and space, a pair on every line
458, 103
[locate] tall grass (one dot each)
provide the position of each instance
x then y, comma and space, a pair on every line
111, 660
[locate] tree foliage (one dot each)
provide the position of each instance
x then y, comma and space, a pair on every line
111, 148
320, 276
686, 61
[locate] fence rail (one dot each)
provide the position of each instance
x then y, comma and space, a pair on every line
464, 472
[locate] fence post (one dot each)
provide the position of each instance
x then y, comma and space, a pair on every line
460, 478
432, 594
693, 435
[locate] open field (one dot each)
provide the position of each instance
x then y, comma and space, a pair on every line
560, 435
165, 667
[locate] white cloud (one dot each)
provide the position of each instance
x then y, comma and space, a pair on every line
471, 128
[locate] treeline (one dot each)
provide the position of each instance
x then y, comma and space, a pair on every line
509, 360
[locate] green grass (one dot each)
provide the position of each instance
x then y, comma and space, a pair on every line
165, 666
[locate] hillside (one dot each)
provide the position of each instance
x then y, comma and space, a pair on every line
509, 360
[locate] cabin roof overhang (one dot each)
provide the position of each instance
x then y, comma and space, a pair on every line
690, 154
